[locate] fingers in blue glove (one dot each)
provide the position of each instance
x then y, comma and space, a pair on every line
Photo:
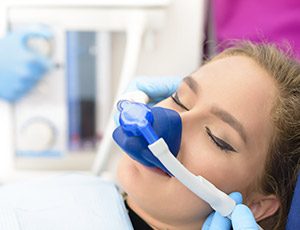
207, 222
21, 67
38, 31
39, 65
242, 218
14, 94
216, 221
158, 88
238, 198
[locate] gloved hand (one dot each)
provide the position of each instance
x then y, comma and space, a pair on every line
157, 88
20, 66
241, 218
137, 146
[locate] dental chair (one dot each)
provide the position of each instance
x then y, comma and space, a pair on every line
293, 221
78, 202
63, 202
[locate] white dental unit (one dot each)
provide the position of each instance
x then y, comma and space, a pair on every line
35, 131
45, 126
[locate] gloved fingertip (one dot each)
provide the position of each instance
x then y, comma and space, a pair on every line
7, 98
148, 89
40, 65
237, 196
142, 84
242, 218
242, 210
47, 63
14, 97
154, 101
177, 80
207, 222
132, 86
220, 222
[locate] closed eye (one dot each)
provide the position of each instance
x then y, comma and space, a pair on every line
224, 146
178, 102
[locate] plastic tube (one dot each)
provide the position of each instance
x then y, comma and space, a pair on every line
217, 199
205, 190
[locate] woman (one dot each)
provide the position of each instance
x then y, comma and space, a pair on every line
241, 126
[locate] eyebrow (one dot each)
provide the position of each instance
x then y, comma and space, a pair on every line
222, 114
231, 120
192, 84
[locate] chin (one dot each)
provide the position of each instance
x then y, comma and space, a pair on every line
126, 171
157, 193
139, 181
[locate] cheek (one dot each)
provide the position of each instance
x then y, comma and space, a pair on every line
227, 171
125, 172
168, 103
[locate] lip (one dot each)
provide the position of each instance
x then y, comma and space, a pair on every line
157, 171
153, 170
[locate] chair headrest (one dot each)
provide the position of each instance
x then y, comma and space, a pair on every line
293, 221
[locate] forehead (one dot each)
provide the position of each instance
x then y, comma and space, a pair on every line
237, 75
240, 86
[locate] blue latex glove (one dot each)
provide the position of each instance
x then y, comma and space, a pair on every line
241, 218
21, 67
157, 88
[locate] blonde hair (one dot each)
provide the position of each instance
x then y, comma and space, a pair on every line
282, 163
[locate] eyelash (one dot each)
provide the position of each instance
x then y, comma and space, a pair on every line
219, 142
178, 102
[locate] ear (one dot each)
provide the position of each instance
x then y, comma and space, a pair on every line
263, 206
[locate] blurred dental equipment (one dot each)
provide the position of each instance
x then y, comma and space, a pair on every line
72, 105
23, 62
68, 201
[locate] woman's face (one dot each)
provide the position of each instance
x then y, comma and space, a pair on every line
225, 137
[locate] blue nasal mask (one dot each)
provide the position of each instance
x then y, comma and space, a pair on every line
152, 136
141, 125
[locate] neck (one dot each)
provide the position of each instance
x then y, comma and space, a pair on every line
158, 224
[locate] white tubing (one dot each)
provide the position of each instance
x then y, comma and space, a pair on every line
217, 199
205, 190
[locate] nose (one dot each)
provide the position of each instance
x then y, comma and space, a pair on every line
189, 131
166, 124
